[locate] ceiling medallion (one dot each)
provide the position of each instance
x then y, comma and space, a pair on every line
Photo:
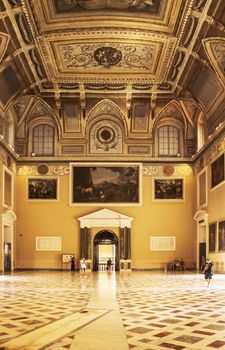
107, 56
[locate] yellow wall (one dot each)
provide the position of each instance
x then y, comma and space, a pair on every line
58, 218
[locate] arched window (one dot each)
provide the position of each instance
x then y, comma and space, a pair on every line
168, 141
43, 140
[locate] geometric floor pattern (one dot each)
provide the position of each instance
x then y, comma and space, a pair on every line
175, 311
159, 310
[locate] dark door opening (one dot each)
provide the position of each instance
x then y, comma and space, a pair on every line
105, 246
202, 253
7, 257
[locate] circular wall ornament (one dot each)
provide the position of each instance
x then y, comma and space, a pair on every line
42, 169
107, 56
168, 169
105, 134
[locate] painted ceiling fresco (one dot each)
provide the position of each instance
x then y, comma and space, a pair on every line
146, 6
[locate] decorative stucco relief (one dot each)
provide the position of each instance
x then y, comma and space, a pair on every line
21, 105
4, 41
32, 170
179, 170
215, 50
7, 160
105, 138
40, 110
119, 56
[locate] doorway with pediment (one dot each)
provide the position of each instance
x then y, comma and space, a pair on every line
106, 234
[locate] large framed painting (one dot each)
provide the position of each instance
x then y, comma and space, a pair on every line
222, 235
105, 183
44, 188
168, 189
212, 237
202, 189
217, 171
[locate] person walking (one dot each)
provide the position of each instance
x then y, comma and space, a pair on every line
83, 267
208, 271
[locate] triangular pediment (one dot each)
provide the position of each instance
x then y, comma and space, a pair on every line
105, 217
105, 213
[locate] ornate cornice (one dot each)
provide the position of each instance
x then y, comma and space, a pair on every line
210, 154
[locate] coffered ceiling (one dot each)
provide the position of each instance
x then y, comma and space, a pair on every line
169, 52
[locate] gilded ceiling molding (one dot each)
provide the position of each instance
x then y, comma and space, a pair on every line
23, 27
160, 14
3, 156
14, 3
4, 41
189, 32
215, 50
34, 55
199, 5
178, 60
67, 58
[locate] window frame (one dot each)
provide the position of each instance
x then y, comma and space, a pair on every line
31, 143
168, 135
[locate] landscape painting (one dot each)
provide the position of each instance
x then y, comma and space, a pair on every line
106, 183
168, 189
42, 188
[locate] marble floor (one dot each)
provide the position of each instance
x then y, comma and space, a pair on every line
111, 311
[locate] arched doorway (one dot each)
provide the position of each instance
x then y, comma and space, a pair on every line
105, 246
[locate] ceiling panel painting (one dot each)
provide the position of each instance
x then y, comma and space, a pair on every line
160, 15
141, 6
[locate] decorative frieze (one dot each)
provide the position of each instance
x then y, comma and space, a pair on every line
159, 170
211, 154
32, 170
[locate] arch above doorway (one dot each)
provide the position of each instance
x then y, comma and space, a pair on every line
105, 246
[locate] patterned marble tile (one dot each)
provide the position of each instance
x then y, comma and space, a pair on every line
158, 310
